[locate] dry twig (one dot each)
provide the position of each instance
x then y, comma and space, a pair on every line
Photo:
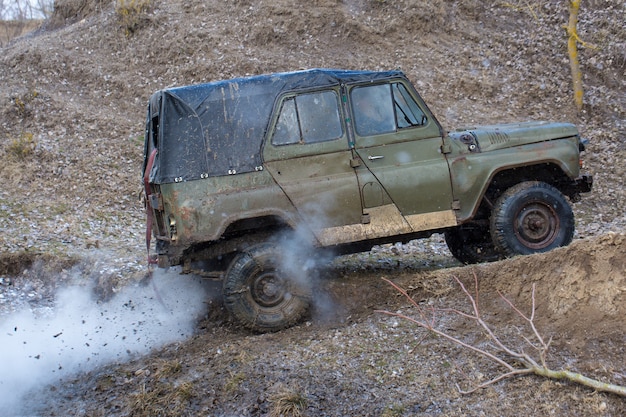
427, 320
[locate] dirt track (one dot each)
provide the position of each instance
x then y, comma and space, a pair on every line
72, 98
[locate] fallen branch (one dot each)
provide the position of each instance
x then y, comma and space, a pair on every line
427, 319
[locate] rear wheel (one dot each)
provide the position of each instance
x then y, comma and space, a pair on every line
531, 217
263, 294
471, 244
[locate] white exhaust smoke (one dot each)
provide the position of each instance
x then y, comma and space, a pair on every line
82, 334
303, 263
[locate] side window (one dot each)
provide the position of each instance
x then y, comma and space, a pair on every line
373, 110
384, 108
308, 118
287, 130
408, 112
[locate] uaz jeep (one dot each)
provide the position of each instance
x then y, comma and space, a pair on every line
349, 159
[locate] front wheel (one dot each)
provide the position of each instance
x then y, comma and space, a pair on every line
531, 217
262, 293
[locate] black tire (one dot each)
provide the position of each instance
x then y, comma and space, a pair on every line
531, 217
261, 294
471, 244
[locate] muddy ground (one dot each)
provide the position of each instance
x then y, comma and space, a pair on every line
72, 100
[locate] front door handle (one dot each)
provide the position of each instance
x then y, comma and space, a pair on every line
373, 158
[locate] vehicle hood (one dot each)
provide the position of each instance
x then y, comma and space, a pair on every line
493, 137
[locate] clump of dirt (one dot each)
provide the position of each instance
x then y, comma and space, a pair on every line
66, 12
13, 264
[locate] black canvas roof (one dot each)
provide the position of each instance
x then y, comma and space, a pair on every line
218, 128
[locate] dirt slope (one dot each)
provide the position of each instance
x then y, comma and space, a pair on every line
348, 360
72, 102
73, 95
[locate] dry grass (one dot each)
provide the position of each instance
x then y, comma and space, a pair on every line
11, 29
288, 402
168, 369
161, 400
233, 382
160, 394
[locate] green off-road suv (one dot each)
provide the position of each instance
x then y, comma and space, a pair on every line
342, 160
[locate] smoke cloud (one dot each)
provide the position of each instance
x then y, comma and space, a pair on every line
303, 263
82, 334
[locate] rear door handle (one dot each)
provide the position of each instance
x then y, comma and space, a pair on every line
373, 158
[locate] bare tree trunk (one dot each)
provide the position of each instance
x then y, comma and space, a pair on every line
572, 49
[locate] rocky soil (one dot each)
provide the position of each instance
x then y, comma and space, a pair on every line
72, 102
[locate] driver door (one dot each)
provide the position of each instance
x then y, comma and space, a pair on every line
399, 142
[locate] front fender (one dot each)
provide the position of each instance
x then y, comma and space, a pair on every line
473, 173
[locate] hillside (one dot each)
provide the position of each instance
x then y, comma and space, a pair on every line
76, 92
72, 105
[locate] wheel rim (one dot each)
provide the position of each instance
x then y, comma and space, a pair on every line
268, 289
537, 225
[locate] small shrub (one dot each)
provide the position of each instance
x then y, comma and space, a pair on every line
131, 14
394, 410
22, 103
23, 146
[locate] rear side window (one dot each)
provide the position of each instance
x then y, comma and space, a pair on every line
308, 118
